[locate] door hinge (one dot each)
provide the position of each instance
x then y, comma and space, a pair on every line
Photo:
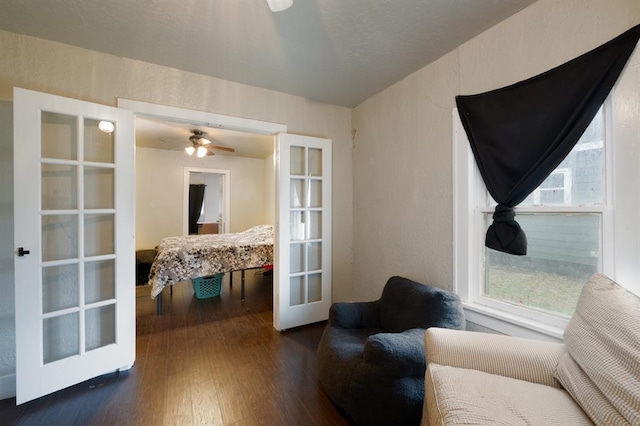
22, 251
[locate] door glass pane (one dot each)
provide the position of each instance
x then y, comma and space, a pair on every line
59, 287
59, 187
100, 326
98, 144
60, 337
59, 237
315, 287
99, 281
297, 193
315, 193
314, 255
296, 291
99, 234
315, 225
297, 160
98, 188
59, 136
297, 226
315, 162
296, 260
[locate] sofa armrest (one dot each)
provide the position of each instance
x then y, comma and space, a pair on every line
400, 354
525, 359
355, 315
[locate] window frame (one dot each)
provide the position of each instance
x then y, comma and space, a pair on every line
472, 201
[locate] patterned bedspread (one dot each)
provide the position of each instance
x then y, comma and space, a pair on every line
182, 258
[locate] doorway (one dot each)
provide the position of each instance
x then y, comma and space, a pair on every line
214, 215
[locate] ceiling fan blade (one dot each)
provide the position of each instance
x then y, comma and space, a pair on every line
209, 151
222, 148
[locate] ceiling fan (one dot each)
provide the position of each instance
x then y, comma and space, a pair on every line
202, 146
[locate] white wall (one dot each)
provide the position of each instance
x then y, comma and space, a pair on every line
402, 160
160, 188
65, 70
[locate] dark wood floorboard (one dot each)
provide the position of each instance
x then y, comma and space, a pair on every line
217, 361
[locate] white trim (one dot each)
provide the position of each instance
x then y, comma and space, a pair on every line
208, 119
513, 325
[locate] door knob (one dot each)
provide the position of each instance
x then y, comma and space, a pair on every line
22, 251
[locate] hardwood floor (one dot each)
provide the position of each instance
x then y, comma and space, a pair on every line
203, 362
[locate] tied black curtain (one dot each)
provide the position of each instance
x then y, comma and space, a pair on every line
196, 197
519, 134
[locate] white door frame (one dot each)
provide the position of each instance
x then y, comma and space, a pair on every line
226, 197
208, 119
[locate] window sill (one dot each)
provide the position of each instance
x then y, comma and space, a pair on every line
510, 324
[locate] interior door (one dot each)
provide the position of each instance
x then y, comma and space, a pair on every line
74, 232
303, 246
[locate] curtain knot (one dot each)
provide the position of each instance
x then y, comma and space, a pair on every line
505, 234
503, 214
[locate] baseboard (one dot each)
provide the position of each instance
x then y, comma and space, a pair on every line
7, 386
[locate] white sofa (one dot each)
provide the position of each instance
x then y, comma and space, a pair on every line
591, 378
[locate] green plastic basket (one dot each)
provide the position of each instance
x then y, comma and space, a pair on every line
207, 287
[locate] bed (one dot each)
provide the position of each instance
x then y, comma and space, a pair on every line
193, 256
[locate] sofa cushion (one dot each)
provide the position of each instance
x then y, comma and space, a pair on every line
459, 396
601, 368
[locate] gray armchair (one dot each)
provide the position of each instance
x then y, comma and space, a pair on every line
371, 357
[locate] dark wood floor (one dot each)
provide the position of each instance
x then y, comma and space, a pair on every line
203, 362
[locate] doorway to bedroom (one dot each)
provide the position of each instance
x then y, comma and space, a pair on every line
233, 185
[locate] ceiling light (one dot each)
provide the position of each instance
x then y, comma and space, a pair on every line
201, 152
190, 150
204, 141
279, 5
106, 126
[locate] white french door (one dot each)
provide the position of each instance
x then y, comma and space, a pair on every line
74, 236
303, 246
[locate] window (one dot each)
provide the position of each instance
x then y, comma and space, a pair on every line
563, 221
556, 190
569, 221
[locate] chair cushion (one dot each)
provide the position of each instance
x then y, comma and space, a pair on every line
406, 304
459, 396
601, 368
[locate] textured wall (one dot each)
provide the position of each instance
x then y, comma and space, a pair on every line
160, 186
7, 311
77, 73
402, 161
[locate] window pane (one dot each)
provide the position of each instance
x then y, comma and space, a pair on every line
579, 179
563, 252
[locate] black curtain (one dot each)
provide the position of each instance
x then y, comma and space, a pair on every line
519, 134
196, 197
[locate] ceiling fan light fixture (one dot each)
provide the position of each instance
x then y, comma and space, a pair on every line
190, 150
279, 5
201, 151
204, 141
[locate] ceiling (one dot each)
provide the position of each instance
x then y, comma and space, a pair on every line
175, 136
339, 52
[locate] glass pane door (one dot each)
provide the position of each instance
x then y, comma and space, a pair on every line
303, 250
75, 295
78, 235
